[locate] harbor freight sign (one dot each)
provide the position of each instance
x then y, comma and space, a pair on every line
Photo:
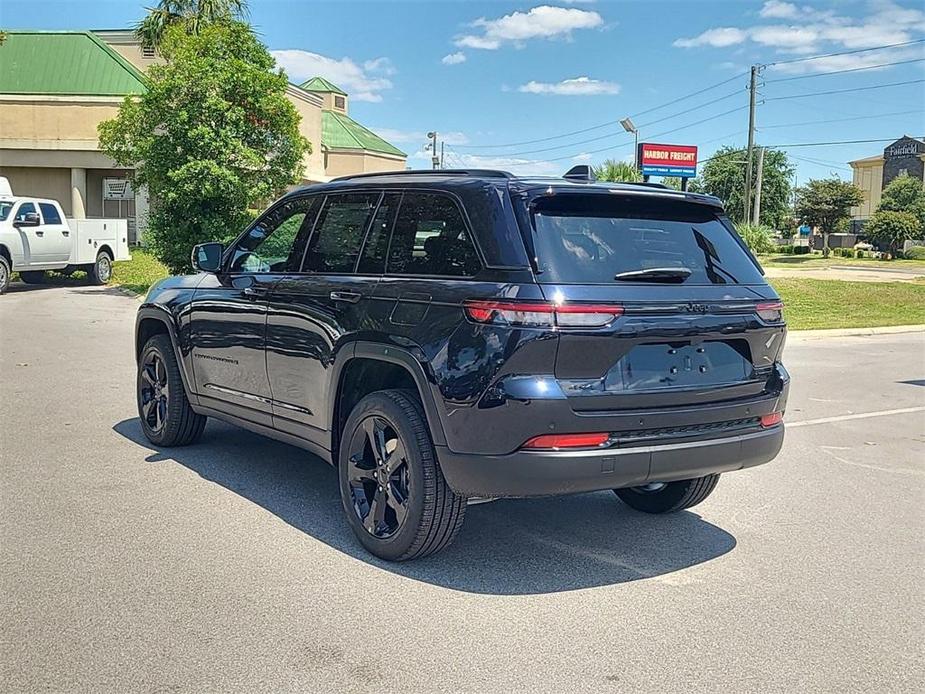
668, 160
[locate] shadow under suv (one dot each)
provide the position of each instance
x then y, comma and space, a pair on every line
440, 336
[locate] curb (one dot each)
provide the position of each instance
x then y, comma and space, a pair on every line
850, 332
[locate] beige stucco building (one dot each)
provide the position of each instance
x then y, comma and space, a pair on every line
57, 87
873, 174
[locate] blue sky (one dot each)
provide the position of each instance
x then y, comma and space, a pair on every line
492, 75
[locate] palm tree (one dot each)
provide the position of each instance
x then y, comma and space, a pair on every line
194, 14
616, 171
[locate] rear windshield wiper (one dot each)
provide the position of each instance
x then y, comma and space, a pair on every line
655, 274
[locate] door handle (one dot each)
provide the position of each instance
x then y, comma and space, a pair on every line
39, 233
65, 233
256, 292
351, 297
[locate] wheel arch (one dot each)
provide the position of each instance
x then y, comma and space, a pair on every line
105, 248
373, 367
152, 321
6, 253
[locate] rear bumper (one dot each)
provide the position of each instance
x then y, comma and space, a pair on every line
540, 473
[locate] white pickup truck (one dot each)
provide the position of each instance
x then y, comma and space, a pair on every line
35, 236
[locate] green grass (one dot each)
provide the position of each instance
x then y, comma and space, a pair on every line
813, 304
138, 274
808, 261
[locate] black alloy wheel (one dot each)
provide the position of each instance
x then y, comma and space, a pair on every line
378, 477
154, 390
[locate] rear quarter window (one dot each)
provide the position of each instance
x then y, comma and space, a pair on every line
591, 238
49, 213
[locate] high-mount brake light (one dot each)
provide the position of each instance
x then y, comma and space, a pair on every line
535, 313
568, 441
770, 311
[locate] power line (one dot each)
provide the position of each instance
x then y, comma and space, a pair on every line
610, 123
857, 50
850, 69
837, 142
840, 120
844, 91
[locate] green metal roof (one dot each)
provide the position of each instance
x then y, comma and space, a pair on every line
340, 131
64, 63
320, 84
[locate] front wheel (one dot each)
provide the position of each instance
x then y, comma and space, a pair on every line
166, 416
667, 497
101, 271
5, 272
396, 499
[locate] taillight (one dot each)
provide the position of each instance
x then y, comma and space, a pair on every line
568, 441
771, 311
534, 313
771, 420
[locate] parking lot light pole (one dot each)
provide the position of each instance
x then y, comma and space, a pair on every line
630, 127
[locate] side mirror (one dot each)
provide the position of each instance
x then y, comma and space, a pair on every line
30, 219
207, 257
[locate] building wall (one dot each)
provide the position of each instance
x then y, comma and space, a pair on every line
40, 183
344, 163
868, 177
49, 123
310, 128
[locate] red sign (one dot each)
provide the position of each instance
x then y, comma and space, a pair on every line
668, 160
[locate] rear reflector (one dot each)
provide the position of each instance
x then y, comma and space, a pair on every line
542, 314
567, 441
771, 311
771, 420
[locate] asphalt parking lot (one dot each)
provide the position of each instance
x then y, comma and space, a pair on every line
227, 566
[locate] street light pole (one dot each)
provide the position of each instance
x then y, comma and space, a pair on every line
434, 159
630, 127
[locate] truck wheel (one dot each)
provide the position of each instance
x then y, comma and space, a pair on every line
666, 497
5, 273
32, 276
166, 416
394, 494
101, 271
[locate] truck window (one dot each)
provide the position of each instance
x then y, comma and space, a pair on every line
5, 207
49, 213
24, 209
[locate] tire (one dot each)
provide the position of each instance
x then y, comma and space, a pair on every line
5, 272
32, 276
670, 497
420, 514
165, 413
101, 271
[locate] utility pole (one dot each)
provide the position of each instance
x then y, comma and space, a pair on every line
442, 143
756, 215
752, 90
434, 157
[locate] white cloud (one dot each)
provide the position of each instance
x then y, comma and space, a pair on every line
539, 22
454, 58
577, 86
820, 31
717, 38
362, 82
516, 165
582, 158
779, 10
420, 136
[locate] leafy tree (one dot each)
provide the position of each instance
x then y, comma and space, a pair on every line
193, 15
723, 175
617, 171
213, 135
824, 203
758, 237
890, 229
904, 194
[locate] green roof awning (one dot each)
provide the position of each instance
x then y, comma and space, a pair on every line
320, 84
65, 63
339, 131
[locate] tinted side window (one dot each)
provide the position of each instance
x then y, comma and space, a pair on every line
24, 209
338, 235
49, 213
277, 242
377, 241
430, 238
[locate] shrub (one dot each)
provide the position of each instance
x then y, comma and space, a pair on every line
786, 250
860, 253
758, 237
916, 253
890, 229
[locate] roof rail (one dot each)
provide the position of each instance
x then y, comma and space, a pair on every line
486, 173
649, 185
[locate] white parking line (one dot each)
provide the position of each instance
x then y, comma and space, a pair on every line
859, 415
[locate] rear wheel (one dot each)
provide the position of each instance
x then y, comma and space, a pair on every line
394, 494
667, 497
32, 276
101, 271
166, 416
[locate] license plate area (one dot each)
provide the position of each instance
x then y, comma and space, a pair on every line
667, 366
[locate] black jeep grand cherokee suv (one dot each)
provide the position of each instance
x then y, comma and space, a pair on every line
446, 335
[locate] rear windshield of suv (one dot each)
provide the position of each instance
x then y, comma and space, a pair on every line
612, 238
